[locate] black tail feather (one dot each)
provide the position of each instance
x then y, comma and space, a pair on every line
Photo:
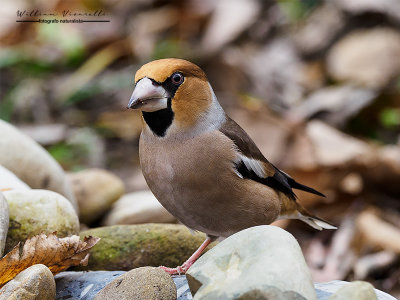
295, 185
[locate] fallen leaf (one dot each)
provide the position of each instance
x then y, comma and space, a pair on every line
57, 254
377, 232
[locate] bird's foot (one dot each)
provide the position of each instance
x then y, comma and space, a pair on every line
180, 270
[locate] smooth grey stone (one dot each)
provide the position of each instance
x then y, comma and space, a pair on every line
85, 285
4, 220
31, 163
38, 211
326, 289
33, 283
251, 259
149, 283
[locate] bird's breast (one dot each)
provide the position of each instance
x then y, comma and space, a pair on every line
196, 182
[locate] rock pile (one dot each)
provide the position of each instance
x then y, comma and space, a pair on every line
263, 262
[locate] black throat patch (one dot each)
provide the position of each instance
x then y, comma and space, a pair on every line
159, 120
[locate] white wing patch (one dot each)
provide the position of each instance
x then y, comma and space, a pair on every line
254, 165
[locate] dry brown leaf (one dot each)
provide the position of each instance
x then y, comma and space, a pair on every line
57, 254
377, 232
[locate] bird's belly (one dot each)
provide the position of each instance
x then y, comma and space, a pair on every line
186, 195
201, 189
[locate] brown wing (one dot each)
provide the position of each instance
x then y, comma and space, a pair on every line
272, 176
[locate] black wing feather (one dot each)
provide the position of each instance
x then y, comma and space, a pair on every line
278, 181
295, 185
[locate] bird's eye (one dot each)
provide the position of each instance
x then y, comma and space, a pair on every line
177, 78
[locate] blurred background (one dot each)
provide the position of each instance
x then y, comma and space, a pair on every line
316, 84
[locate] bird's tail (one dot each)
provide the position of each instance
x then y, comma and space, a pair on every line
312, 220
316, 222
294, 210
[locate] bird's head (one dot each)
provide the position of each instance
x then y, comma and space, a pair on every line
172, 91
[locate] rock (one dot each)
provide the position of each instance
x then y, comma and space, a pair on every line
366, 57
228, 21
356, 290
34, 283
252, 259
335, 105
134, 180
269, 293
92, 144
46, 134
4, 220
8, 181
390, 8
138, 208
182, 287
95, 191
82, 285
326, 290
332, 147
320, 29
124, 247
35, 211
141, 283
123, 124
85, 285
31, 163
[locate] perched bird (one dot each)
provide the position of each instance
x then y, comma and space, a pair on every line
201, 165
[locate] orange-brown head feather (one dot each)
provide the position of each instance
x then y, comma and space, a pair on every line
161, 69
192, 98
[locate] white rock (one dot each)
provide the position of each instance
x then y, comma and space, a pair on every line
34, 283
251, 259
4, 219
333, 286
366, 57
8, 181
31, 163
35, 211
137, 208
95, 191
46, 134
320, 28
356, 290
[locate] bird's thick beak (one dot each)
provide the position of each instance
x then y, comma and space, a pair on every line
148, 97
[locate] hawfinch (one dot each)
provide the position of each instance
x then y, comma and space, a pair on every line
201, 165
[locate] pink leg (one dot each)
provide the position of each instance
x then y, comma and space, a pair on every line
187, 264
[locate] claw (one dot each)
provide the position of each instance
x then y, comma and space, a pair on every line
180, 270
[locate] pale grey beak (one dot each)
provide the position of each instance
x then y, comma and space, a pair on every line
148, 96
